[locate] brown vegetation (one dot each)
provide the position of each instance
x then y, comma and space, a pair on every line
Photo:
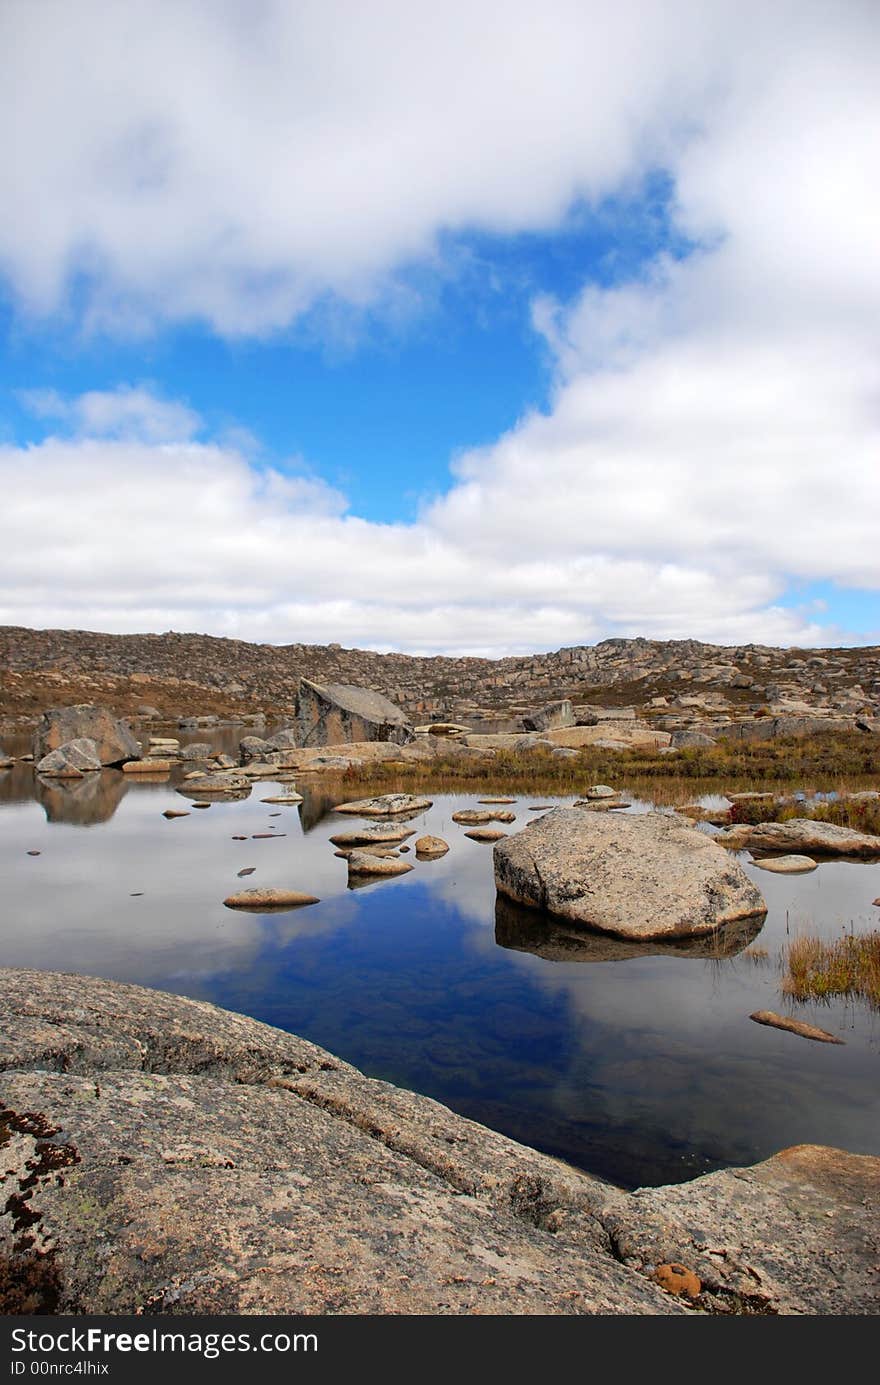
848, 966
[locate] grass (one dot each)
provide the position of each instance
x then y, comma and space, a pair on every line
819, 758
849, 966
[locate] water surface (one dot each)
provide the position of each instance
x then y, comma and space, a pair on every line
636, 1064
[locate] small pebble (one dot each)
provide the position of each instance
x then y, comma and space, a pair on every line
261, 836
135, 894
34, 853
247, 870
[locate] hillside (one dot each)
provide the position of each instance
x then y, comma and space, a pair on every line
180, 674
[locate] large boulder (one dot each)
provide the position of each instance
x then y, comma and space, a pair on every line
554, 715
70, 760
339, 713
114, 742
642, 876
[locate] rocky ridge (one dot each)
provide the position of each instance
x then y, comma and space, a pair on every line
676, 682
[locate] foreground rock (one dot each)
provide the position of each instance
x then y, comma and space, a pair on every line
71, 760
114, 742
386, 805
645, 876
802, 836
309, 1188
338, 713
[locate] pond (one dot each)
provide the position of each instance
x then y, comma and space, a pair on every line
641, 1066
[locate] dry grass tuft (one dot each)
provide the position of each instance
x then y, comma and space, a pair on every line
850, 966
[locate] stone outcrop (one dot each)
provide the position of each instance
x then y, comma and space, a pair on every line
643, 877
309, 1188
549, 718
114, 742
339, 713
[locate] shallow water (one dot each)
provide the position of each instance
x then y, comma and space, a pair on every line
640, 1066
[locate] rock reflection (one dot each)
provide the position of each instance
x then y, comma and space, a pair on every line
84, 802
529, 930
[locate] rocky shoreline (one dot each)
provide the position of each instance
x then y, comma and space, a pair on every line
160, 1155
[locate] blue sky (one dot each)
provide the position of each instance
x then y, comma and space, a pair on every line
522, 337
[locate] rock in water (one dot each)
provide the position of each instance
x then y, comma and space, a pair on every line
787, 865
339, 713
70, 760
374, 835
477, 817
386, 805
803, 835
263, 900
551, 717
644, 876
366, 863
429, 848
113, 739
792, 1026
485, 834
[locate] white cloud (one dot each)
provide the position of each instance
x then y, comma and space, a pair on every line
129, 411
713, 432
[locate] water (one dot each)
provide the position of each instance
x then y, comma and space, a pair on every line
641, 1066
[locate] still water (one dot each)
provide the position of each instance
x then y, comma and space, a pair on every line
639, 1065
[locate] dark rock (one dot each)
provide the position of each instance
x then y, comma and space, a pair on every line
554, 715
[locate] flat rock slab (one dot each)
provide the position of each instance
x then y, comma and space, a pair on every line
369, 863
485, 834
262, 900
786, 865
173, 1158
386, 805
793, 1026
641, 876
476, 817
803, 835
148, 766
373, 836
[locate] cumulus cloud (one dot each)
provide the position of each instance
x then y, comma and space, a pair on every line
713, 431
129, 411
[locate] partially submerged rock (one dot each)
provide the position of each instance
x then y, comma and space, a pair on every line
338, 713
150, 765
786, 865
642, 876
802, 835
429, 848
361, 862
375, 835
71, 760
263, 900
113, 738
386, 805
794, 1026
486, 834
474, 817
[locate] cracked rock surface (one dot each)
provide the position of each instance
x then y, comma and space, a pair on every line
161, 1155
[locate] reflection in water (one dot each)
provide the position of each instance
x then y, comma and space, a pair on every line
531, 930
86, 801
646, 1069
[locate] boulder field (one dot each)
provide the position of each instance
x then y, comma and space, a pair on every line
163, 1156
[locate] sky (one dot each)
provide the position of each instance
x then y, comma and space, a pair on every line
474, 328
